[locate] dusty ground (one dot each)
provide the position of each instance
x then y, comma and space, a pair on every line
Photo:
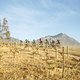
19, 63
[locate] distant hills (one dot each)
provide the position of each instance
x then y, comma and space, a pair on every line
64, 39
11, 39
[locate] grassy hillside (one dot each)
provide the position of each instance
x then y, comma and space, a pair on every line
31, 63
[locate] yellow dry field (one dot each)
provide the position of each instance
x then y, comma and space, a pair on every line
30, 63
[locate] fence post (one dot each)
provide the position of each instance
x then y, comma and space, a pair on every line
63, 63
67, 52
56, 53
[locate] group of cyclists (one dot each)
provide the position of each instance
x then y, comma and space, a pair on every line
44, 43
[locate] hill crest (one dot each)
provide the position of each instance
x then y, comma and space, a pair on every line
64, 39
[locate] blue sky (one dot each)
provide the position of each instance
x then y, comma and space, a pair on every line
31, 19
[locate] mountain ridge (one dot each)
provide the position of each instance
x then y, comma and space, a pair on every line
64, 39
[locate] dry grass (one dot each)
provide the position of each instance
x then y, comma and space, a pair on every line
17, 63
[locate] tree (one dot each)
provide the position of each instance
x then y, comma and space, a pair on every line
7, 34
46, 43
52, 43
40, 42
21, 42
58, 44
27, 43
34, 43
5, 29
0, 30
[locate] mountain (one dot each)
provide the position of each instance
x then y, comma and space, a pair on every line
65, 40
